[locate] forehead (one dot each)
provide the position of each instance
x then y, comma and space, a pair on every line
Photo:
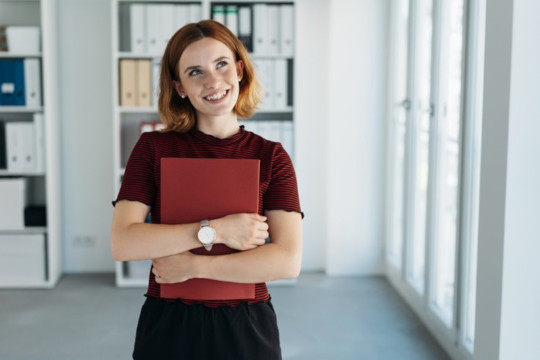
204, 51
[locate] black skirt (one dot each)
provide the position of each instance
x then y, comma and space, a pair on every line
174, 330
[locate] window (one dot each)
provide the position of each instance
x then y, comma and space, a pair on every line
434, 146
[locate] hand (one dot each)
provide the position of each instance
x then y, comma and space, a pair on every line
241, 231
175, 268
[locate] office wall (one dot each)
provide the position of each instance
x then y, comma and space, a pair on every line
340, 72
355, 124
85, 108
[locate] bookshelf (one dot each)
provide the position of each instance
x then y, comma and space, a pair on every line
135, 48
30, 249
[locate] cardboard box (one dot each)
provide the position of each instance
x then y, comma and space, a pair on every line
22, 259
13, 200
23, 39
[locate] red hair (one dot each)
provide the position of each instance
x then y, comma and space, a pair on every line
178, 114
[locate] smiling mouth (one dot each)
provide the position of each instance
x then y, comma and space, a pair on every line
217, 96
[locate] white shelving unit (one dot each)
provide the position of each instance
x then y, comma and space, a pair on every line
31, 257
126, 119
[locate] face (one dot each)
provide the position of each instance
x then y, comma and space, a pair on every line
209, 77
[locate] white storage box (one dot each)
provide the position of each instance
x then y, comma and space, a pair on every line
12, 203
22, 259
23, 39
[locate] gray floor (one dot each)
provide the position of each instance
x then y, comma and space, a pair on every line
86, 317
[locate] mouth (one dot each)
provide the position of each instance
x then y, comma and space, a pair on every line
217, 96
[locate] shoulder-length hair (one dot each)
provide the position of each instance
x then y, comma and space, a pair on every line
178, 114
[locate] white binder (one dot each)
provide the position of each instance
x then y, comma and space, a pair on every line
231, 18
260, 29
272, 28
180, 16
280, 84
218, 14
27, 150
39, 138
265, 73
168, 25
13, 146
194, 11
154, 29
287, 137
138, 28
32, 82
287, 30
14, 200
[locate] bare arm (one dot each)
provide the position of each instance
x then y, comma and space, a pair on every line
279, 259
133, 239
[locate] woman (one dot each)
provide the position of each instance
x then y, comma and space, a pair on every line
207, 81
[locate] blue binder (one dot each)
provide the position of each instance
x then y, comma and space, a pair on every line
12, 82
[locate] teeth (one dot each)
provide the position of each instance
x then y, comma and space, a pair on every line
216, 96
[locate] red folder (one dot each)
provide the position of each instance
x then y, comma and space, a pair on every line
196, 189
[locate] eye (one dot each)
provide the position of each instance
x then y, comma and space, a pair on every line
194, 72
221, 64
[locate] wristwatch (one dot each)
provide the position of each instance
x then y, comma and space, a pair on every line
206, 235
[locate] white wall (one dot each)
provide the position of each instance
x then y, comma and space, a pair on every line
355, 137
85, 110
339, 101
508, 294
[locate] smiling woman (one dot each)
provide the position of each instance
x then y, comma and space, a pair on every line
207, 81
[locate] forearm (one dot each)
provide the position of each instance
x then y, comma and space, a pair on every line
265, 263
141, 241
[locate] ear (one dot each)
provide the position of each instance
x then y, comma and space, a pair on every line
178, 87
240, 69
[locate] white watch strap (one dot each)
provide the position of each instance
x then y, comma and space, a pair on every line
205, 223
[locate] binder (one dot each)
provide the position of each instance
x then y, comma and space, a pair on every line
260, 33
194, 13
244, 27
13, 192
27, 150
286, 30
265, 68
138, 28
13, 146
39, 137
231, 18
180, 16
20, 95
272, 29
168, 26
280, 83
143, 79
218, 14
127, 82
3, 149
287, 137
156, 68
154, 30
32, 82
196, 189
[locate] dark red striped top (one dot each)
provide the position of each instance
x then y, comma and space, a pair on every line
277, 191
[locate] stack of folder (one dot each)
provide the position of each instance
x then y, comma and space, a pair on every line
138, 82
152, 25
22, 145
265, 29
20, 82
275, 80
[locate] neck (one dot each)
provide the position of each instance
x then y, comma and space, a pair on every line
220, 127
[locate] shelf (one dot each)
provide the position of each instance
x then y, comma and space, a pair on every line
20, 109
21, 173
137, 109
8, 55
25, 231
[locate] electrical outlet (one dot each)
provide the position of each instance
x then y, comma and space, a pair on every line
84, 241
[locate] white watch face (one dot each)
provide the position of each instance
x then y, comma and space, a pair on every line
206, 235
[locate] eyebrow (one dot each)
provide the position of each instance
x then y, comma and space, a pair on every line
194, 67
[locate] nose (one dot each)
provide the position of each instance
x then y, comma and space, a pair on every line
212, 80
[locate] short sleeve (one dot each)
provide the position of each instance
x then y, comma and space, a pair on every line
282, 192
138, 182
